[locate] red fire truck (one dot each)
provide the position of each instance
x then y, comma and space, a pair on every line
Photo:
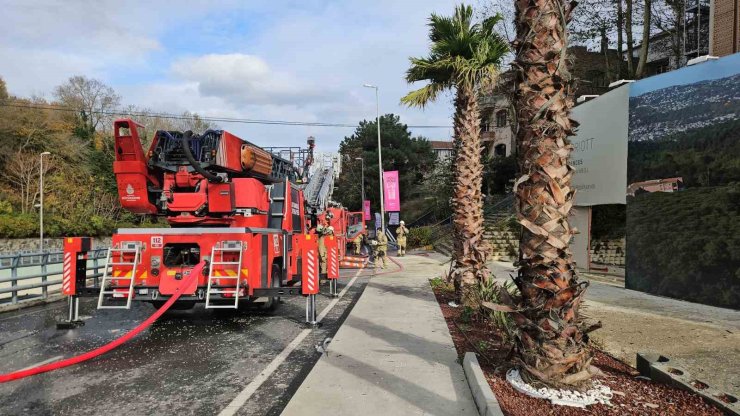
347, 226
231, 205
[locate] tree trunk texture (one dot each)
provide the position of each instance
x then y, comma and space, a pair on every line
550, 343
630, 41
470, 249
647, 14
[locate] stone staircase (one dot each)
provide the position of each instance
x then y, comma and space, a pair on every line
497, 216
444, 245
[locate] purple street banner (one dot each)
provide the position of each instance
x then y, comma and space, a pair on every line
367, 216
391, 191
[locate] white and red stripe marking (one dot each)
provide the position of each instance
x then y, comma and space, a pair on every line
333, 264
312, 276
67, 274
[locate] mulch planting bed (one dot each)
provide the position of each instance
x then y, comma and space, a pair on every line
632, 396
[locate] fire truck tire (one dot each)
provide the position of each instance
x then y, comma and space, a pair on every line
272, 302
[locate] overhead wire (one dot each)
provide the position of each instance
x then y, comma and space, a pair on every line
204, 118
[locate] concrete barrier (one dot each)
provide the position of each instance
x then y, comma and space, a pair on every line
484, 398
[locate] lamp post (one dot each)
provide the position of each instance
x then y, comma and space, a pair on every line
41, 200
380, 158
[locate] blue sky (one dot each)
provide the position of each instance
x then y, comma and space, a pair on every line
721, 68
279, 59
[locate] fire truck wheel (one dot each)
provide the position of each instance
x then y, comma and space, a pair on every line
272, 302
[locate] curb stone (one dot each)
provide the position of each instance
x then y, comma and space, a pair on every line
660, 369
23, 304
484, 398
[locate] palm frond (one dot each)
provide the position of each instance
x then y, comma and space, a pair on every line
463, 53
423, 96
428, 69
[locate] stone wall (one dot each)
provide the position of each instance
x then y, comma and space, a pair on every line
31, 245
607, 252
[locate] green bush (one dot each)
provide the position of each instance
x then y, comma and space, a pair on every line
27, 225
419, 237
490, 292
6, 208
19, 226
441, 283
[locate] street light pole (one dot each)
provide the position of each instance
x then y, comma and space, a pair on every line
41, 200
380, 158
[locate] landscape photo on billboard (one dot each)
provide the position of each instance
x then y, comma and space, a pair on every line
683, 184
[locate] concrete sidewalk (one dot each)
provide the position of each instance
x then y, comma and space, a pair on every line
392, 356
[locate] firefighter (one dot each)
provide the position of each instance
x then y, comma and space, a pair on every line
324, 229
401, 233
381, 248
357, 242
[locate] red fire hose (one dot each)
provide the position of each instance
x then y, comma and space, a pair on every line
113, 344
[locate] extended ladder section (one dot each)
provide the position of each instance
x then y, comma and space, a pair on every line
319, 189
118, 268
224, 271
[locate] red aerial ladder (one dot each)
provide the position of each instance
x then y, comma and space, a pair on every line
233, 207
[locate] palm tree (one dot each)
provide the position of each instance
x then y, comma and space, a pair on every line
465, 56
550, 339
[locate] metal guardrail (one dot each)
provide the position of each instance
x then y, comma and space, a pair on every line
42, 270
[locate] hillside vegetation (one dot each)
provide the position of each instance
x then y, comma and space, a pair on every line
686, 244
703, 157
80, 195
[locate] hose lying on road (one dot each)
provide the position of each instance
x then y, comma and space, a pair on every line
373, 274
113, 344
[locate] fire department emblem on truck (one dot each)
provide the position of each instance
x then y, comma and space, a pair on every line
130, 194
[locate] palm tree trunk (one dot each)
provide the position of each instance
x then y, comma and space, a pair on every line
550, 344
470, 250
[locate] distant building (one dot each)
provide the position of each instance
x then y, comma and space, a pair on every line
443, 149
668, 51
497, 131
660, 56
656, 185
592, 72
697, 28
724, 27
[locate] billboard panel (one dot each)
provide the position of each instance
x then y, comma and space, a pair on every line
391, 192
683, 194
366, 210
600, 149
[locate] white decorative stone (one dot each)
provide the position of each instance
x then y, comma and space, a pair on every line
598, 393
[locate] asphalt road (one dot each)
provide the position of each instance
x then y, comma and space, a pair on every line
188, 362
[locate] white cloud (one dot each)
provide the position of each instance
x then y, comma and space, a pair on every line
245, 80
277, 59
